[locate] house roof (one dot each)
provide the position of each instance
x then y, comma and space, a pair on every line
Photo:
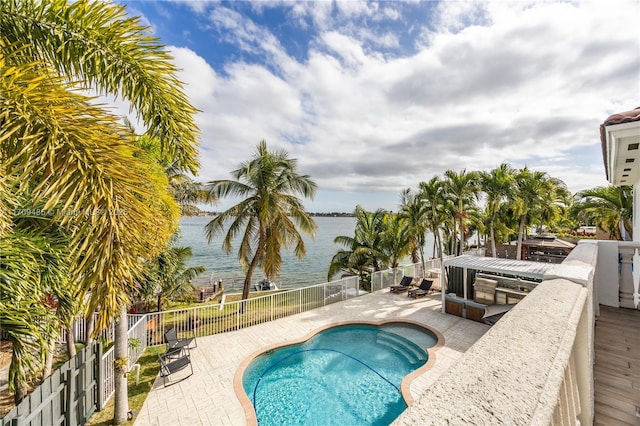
618, 118
548, 241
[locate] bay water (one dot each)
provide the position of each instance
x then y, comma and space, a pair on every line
295, 273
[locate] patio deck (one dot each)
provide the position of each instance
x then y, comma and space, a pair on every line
208, 397
617, 367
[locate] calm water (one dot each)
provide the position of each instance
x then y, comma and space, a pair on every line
347, 375
295, 273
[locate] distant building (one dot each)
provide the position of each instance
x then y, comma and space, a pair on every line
546, 248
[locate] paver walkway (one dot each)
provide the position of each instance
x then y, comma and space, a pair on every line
208, 397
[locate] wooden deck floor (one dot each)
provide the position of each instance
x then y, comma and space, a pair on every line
617, 367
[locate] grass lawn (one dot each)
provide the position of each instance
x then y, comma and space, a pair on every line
149, 367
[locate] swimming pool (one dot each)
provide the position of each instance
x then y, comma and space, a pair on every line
347, 374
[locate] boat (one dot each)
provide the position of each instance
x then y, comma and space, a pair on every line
265, 285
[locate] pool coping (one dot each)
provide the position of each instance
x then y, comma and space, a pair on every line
250, 414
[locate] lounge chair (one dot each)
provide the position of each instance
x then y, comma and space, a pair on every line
171, 363
404, 285
171, 337
422, 290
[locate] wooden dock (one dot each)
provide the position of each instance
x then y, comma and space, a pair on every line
617, 367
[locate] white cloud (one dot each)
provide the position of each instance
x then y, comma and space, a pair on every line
527, 83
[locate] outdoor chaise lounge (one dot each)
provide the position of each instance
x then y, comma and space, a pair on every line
171, 337
422, 290
404, 285
173, 361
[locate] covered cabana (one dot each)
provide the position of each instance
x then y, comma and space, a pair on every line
519, 269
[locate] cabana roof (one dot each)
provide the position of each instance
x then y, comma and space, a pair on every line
519, 268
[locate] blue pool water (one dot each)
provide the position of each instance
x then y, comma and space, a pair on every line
346, 375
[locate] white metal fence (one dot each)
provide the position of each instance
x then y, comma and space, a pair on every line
388, 277
148, 329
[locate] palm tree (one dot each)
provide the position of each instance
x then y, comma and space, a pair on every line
75, 158
268, 216
396, 239
413, 210
364, 252
531, 193
168, 275
498, 185
463, 190
609, 207
432, 194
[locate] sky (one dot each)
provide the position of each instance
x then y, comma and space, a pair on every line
372, 97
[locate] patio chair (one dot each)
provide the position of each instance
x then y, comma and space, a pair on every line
404, 285
170, 364
172, 339
422, 290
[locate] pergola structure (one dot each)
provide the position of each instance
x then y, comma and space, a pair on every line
516, 268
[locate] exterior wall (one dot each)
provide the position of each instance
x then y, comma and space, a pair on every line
636, 206
607, 278
533, 367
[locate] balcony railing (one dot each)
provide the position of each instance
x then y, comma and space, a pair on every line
535, 366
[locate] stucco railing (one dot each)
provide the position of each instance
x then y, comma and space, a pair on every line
534, 367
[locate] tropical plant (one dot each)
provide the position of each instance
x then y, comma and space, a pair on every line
414, 211
609, 207
432, 194
364, 252
396, 239
462, 188
75, 158
268, 217
533, 191
497, 185
168, 275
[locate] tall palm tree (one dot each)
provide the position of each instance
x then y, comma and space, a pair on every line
463, 189
432, 195
75, 158
497, 184
531, 190
268, 216
396, 240
609, 207
364, 252
413, 210
552, 205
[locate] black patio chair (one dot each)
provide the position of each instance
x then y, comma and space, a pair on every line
422, 290
174, 342
173, 361
404, 285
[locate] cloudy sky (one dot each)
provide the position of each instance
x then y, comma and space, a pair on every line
373, 97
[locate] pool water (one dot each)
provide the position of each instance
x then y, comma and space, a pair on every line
345, 375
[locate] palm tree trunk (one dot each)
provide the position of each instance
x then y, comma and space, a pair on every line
120, 351
48, 364
523, 219
247, 282
71, 340
461, 249
492, 235
91, 324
